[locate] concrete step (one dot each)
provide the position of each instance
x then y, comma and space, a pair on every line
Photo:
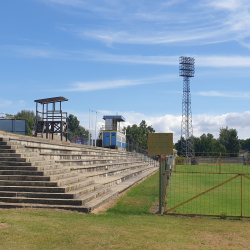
20, 172
85, 190
118, 178
70, 157
2, 143
5, 205
89, 206
20, 150
26, 154
24, 159
104, 167
27, 167
59, 176
84, 162
46, 189
36, 195
4, 139
41, 201
49, 174
74, 194
24, 178
33, 189
72, 149
87, 168
58, 170
55, 201
24, 163
70, 180
28, 183
11, 147
115, 171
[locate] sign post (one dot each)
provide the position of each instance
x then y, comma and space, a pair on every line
160, 144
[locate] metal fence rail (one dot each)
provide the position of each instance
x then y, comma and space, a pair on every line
141, 154
215, 185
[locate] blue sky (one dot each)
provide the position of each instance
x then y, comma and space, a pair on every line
122, 56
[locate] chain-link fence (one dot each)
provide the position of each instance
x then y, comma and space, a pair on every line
140, 153
212, 184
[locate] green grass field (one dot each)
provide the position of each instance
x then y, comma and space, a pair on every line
190, 180
128, 225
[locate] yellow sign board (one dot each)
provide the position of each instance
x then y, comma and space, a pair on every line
160, 143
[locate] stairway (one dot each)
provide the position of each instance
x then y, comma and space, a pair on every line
41, 173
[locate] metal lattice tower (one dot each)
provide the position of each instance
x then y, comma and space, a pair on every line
186, 70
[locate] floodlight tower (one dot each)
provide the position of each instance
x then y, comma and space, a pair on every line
186, 70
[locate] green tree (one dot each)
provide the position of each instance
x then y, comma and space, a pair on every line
30, 118
74, 128
73, 123
178, 145
245, 144
138, 135
229, 139
204, 143
219, 147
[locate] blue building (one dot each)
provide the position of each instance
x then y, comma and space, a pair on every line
112, 134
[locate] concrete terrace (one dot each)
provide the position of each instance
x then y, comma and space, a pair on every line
40, 173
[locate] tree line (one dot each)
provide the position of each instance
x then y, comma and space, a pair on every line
138, 135
227, 142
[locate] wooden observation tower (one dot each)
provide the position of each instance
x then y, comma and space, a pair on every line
51, 120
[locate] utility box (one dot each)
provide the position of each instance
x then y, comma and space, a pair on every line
112, 134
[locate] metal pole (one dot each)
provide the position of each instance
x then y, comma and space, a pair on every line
220, 164
160, 186
241, 207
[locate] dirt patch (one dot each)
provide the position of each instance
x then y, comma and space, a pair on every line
3, 225
155, 208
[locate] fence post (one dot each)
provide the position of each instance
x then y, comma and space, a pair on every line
161, 184
241, 196
220, 164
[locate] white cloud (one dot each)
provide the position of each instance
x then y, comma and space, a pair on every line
202, 35
225, 4
203, 22
202, 123
216, 61
50, 53
30, 52
99, 85
200, 60
4, 103
225, 94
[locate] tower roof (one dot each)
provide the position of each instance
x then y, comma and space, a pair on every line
52, 99
118, 118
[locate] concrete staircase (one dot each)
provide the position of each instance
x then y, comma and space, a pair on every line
42, 173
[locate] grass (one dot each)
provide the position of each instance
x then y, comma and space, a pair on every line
190, 181
122, 227
139, 199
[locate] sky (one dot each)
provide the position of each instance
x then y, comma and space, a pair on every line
122, 56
